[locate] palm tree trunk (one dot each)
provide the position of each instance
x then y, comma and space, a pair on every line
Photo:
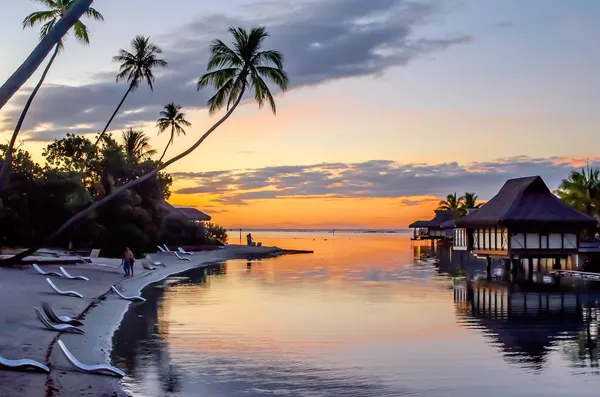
168, 143
80, 215
41, 51
89, 155
6, 164
113, 116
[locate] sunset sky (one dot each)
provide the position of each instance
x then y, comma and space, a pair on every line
392, 105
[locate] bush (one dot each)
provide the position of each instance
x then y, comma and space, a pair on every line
216, 233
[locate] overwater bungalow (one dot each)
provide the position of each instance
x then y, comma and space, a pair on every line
432, 229
185, 213
525, 226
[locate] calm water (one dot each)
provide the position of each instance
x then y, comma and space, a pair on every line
357, 318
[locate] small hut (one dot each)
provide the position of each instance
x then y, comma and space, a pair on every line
185, 213
432, 229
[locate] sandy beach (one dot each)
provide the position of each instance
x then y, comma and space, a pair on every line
23, 336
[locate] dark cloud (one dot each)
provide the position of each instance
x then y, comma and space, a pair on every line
322, 41
373, 179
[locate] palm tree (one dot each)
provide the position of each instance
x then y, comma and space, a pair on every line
136, 66
581, 190
452, 203
243, 68
137, 145
48, 19
171, 116
468, 201
41, 51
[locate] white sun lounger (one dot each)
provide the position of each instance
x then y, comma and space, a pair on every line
23, 364
181, 258
161, 248
67, 275
166, 248
184, 252
57, 327
146, 266
43, 273
68, 293
55, 318
101, 369
128, 298
153, 262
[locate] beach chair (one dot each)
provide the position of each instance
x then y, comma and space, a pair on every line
43, 273
101, 369
128, 298
52, 316
181, 258
57, 327
153, 262
166, 248
61, 292
161, 248
67, 275
23, 364
184, 252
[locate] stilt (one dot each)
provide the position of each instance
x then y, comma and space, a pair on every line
530, 270
488, 268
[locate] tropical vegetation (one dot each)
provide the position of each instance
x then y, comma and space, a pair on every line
459, 205
581, 190
111, 193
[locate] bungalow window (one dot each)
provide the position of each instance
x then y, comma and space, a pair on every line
544, 241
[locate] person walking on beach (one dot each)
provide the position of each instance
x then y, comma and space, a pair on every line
131, 262
127, 261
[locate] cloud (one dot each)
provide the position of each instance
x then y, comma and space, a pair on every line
322, 40
412, 183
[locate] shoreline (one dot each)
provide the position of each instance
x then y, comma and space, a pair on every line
102, 311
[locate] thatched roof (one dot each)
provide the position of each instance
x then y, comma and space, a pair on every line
526, 200
440, 217
188, 213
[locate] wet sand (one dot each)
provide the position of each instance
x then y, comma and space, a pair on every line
23, 336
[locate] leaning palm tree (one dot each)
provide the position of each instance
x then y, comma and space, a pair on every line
48, 19
581, 190
233, 72
452, 203
137, 145
172, 116
136, 66
41, 51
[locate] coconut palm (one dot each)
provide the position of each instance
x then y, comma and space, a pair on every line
452, 203
137, 145
232, 72
136, 67
468, 201
581, 190
48, 18
41, 51
172, 116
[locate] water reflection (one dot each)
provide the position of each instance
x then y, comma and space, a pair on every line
358, 318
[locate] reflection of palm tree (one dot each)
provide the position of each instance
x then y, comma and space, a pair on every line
584, 351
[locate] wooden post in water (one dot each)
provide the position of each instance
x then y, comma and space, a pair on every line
488, 268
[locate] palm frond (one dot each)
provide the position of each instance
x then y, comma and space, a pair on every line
81, 32
276, 75
94, 14
39, 17
268, 57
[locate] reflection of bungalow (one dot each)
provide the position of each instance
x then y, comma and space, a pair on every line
432, 229
525, 224
184, 213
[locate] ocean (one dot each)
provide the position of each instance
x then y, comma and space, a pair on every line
359, 317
